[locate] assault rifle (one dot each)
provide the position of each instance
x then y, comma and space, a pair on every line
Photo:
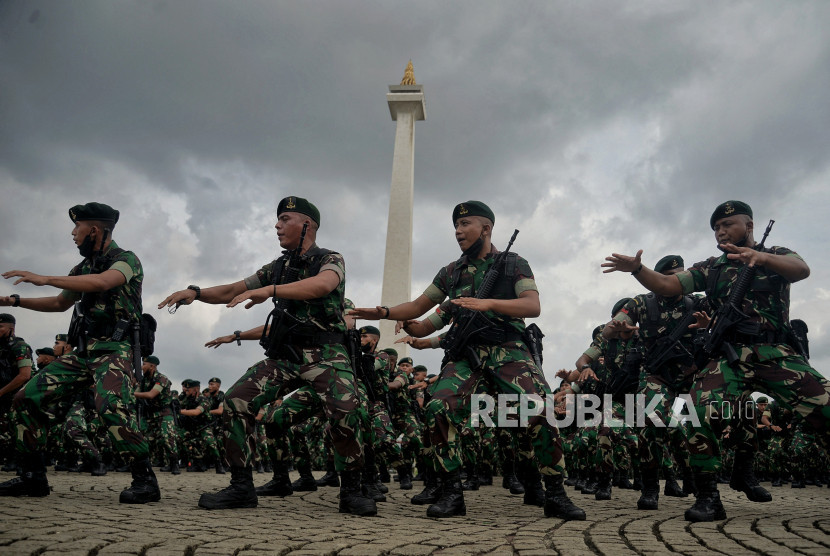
729, 315
280, 322
670, 347
467, 323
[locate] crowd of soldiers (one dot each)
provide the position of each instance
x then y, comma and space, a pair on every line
325, 397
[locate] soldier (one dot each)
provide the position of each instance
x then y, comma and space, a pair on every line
217, 402
15, 371
44, 357
764, 357
505, 358
107, 285
405, 418
197, 438
154, 392
62, 345
312, 352
658, 317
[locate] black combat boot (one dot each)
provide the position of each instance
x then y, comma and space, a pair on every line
638, 481
451, 502
405, 476
798, 480
330, 478
581, 479
624, 483
689, 486
510, 480
591, 483
776, 480
174, 467
472, 478
97, 467
352, 500
707, 506
280, 485
32, 480
532, 481
557, 503
369, 480
650, 494
485, 475
743, 478
383, 474
672, 488
572, 477
144, 487
432, 490
239, 494
220, 469
306, 482
604, 487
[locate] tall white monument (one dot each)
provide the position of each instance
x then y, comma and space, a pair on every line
406, 105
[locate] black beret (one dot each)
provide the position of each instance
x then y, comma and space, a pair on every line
391, 351
669, 262
216, 379
45, 351
62, 338
298, 204
93, 211
6, 317
729, 208
152, 359
472, 208
619, 305
405, 360
369, 330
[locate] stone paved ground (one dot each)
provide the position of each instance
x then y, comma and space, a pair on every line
83, 516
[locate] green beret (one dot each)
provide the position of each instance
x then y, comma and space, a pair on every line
62, 338
152, 359
45, 351
619, 305
190, 383
729, 208
472, 208
405, 360
762, 399
420, 369
298, 204
370, 330
216, 379
93, 211
5, 317
391, 351
669, 262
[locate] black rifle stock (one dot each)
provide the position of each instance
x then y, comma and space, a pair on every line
670, 347
729, 314
279, 321
467, 323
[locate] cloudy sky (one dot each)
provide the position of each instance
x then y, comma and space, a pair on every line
593, 127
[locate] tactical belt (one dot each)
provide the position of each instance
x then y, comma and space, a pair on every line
496, 339
765, 337
315, 340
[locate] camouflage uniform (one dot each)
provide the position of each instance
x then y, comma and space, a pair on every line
405, 415
158, 414
77, 431
508, 366
324, 366
385, 438
196, 437
106, 363
15, 354
216, 401
766, 362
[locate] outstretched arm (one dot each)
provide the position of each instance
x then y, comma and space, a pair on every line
661, 284
405, 311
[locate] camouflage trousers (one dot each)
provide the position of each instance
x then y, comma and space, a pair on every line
775, 369
778, 450
406, 423
7, 426
77, 431
386, 446
160, 432
198, 443
616, 446
294, 410
327, 370
109, 372
510, 369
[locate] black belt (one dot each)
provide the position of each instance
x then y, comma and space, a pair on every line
764, 337
314, 340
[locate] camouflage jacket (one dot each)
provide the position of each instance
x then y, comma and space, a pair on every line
215, 403
466, 282
671, 312
614, 352
15, 354
324, 313
768, 300
194, 402
121, 302
160, 383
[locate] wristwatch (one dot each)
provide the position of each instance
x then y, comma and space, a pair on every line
583, 367
236, 334
16, 300
196, 289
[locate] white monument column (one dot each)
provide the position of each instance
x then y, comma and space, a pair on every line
406, 105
